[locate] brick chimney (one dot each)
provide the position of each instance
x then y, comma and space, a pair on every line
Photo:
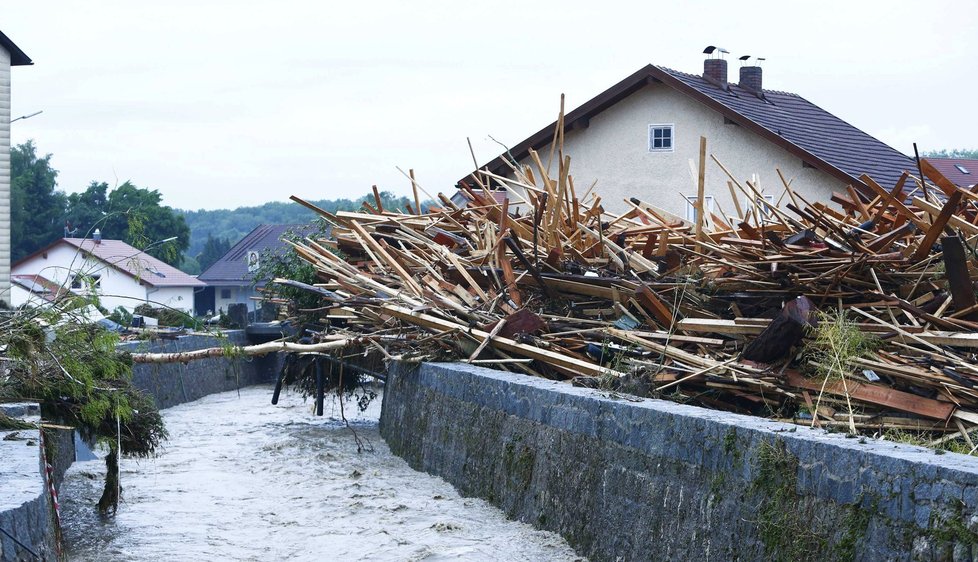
715, 71
750, 79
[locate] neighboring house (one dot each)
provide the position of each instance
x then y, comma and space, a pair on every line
963, 172
636, 139
118, 273
10, 55
231, 279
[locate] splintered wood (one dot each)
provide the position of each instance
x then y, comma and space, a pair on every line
530, 273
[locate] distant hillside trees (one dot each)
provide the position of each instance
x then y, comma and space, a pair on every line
40, 212
233, 224
953, 153
214, 248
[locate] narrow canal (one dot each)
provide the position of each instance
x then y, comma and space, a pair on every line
241, 479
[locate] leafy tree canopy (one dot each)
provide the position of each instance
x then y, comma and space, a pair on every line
953, 153
40, 213
36, 206
132, 214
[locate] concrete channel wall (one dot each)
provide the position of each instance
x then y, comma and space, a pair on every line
176, 383
25, 503
655, 480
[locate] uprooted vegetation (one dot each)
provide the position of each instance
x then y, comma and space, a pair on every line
72, 369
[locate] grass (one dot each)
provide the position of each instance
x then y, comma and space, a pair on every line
836, 343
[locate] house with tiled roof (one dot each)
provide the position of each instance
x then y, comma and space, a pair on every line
231, 279
119, 274
963, 172
636, 139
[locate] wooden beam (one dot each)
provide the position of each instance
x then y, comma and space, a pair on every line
875, 394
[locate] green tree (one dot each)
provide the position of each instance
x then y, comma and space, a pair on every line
36, 206
953, 153
132, 214
213, 250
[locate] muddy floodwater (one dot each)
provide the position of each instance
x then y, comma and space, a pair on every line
241, 479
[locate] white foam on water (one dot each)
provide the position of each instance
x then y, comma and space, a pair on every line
240, 479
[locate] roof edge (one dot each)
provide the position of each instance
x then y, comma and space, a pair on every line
17, 56
647, 75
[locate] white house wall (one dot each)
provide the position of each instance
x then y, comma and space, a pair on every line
60, 263
115, 287
4, 175
179, 298
614, 150
238, 295
20, 296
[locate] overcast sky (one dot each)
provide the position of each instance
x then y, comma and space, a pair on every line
227, 103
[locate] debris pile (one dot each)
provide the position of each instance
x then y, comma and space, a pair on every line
858, 314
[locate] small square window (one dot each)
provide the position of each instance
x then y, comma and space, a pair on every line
225, 293
962, 169
691, 206
660, 138
81, 281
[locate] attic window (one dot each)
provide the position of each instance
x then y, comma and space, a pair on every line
962, 169
660, 138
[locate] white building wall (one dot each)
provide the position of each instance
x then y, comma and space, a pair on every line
62, 262
237, 295
177, 298
4, 175
614, 150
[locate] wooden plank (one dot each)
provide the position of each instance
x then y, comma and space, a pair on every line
701, 195
876, 394
551, 358
651, 303
955, 221
946, 185
958, 278
937, 227
897, 204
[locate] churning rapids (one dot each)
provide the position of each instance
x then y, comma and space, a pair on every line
241, 479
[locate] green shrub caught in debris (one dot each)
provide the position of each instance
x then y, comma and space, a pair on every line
72, 369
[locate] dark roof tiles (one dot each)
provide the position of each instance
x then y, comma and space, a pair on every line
232, 268
788, 120
808, 127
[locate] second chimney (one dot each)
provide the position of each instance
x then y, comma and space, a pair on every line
750, 79
715, 70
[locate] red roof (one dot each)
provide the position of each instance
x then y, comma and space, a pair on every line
963, 172
138, 264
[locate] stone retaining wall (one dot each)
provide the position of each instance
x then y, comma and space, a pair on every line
176, 383
655, 480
